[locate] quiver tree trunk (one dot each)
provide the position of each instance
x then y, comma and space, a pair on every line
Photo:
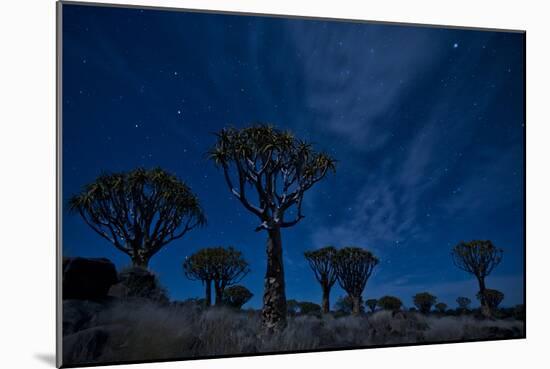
218, 289
356, 305
208, 294
326, 299
485, 308
139, 259
274, 304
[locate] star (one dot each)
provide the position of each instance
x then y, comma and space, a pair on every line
455, 45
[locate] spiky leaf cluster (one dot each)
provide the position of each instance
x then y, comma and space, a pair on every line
140, 210
225, 266
477, 257
275, 165
321, 261
353, 267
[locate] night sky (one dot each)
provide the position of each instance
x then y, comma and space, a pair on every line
427, 126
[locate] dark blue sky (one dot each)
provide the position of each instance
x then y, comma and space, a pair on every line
427, 126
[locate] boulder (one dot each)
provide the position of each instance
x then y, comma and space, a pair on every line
87, 279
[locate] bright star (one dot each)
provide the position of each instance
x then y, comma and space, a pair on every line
455, 45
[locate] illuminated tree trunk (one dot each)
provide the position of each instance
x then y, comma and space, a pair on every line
326, 299
274, 307
356, 308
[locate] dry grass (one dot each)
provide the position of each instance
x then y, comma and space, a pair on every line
139, 331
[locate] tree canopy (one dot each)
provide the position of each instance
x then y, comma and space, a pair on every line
223, 266
236, 296
139, 211
354, 266
424, 301
278, 166
390, 303
477, 257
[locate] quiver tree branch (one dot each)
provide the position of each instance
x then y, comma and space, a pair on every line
139, 211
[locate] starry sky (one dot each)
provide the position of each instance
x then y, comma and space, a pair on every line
427, 125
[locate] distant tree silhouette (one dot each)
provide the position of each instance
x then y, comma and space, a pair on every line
492, 298
372, 303
321, 261
424, 301
441, 307
199, 267
140, 211
280, 169
463, 303
222, 266
390, 303
229, 269
353, 267
307, 307
478, 258
236, 296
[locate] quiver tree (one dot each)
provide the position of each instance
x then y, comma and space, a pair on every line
372, 303
391, 303
236, 296
140, 211
321, 261
478, 258
441, 307
229, 269
221, 266
424, 301
199, 267
353, 267
463, 303
279, 169
492, 299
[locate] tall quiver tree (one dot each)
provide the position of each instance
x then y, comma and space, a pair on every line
140, 211
478, 258
279, 168
321, 262
353, 267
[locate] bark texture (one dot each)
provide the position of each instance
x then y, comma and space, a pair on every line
274, 304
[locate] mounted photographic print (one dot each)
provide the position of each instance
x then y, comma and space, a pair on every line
236, 184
